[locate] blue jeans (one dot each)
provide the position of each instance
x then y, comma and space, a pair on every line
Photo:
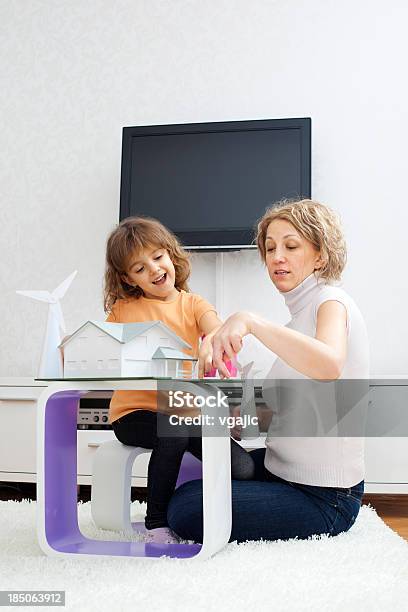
140, 428
269, 508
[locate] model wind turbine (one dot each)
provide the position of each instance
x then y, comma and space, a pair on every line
248, 404
51, 365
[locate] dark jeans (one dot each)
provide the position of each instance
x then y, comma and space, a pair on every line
140, 428
269, 508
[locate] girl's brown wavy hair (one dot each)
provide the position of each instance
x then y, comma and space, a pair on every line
316, 222
132, 235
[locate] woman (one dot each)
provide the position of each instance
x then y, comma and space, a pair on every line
303, 486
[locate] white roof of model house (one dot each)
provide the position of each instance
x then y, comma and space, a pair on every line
124, 332
165, 352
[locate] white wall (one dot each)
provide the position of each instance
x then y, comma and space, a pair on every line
74, 73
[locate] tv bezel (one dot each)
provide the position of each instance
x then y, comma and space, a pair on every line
218, 240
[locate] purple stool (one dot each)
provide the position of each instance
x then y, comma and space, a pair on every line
58, 530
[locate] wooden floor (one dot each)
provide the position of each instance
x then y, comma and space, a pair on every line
393, 509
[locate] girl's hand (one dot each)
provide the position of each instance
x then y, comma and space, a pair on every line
205, 357
227, 341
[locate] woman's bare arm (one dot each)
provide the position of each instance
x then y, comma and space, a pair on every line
321, 357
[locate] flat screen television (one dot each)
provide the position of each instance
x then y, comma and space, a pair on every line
210, 182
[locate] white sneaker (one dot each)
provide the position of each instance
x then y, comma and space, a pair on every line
161, 535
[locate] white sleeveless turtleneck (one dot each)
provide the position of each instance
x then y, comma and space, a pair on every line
319, 461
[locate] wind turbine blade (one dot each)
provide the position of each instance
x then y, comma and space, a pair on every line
245, 369
43, 296
60, 291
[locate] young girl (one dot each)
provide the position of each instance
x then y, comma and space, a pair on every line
146, 280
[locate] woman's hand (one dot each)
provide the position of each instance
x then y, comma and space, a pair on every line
227, 341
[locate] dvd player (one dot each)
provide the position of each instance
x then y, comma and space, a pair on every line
93, 412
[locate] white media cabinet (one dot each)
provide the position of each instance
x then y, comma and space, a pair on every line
386, 458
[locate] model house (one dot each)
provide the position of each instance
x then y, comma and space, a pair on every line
99, 349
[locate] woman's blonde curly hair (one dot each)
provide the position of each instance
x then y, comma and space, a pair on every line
318, 224
132, 235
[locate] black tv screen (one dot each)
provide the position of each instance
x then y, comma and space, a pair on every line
210, 182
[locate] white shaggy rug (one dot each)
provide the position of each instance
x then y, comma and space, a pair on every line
365, 569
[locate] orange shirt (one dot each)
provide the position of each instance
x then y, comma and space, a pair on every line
182, 315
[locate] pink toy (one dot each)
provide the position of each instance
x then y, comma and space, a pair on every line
230, 367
